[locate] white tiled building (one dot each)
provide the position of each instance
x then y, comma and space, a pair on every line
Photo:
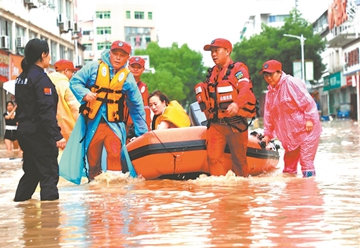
129, 21
271, 13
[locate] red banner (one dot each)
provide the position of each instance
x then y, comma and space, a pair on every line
15, 65
4, 66
337, 14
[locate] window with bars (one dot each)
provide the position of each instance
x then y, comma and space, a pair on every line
103, 30
103, 45
128, 14
103, 15
139, 15
88, 46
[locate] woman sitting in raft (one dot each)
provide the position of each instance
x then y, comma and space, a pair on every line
167, 114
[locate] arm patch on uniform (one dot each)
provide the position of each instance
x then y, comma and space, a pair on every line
47, 91
239, 75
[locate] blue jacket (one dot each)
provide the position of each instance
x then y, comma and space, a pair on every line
72, 161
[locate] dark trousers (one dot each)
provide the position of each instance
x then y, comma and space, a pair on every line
40, 166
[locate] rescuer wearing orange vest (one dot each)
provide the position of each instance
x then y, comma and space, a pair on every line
227, 100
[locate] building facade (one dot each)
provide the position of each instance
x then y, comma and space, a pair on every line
339, 25
269, 13
132, 22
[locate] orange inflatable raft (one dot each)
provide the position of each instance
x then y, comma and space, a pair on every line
180, 153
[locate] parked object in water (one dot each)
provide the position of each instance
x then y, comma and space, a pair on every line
344, 111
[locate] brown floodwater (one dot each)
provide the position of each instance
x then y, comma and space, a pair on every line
270, 210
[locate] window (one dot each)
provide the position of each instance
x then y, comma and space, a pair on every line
102, 14
137, 31
139, 15
6, 29
103, 45
86, 32
53, 47
51, 4
128, 14
20, 31
150, 16
32, 35
103, 30
62, 52
70, 53
88, 46
68, 10
60, 6
137, 41
277, 18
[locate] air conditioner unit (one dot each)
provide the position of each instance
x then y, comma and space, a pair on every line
75, 27
4, 42
64, 27
91, 54
61, 18
70, 25
20, 42
91, 36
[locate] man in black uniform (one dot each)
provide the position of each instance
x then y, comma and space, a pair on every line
38, 133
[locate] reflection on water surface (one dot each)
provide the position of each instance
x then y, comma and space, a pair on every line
271, 210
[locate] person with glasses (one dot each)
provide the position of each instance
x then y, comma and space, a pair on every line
291, 116
229, 90
99, 136
68, 106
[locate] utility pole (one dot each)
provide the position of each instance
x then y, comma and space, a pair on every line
302, 42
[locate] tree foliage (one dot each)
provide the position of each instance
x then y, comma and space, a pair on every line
177, 71
272, 44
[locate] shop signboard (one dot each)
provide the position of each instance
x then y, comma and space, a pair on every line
333, 81
4, 66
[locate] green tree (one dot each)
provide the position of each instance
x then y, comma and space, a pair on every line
272, 44
177, 71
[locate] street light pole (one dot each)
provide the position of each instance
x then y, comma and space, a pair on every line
302, 42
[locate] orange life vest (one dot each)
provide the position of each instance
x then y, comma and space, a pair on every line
108, 92
215, 97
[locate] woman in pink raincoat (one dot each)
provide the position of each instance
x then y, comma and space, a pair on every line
291, 116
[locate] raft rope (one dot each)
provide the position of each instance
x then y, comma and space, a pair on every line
157, 137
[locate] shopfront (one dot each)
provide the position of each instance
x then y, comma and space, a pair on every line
352, 74
10, 69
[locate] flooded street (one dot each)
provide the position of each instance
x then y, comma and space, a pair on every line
270, 210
